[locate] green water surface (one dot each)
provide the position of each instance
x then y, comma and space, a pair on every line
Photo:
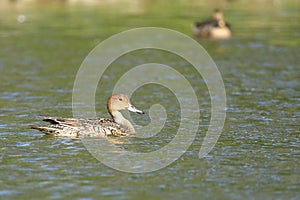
258, 153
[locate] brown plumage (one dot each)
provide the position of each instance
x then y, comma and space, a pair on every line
215, 28
80, 127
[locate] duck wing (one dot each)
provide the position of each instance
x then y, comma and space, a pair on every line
80, 127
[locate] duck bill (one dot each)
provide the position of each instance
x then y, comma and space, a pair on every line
133, 109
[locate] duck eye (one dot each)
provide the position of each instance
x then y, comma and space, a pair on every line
120, 99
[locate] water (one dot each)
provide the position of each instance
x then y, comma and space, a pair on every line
256, 157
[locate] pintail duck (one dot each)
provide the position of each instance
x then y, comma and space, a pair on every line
79, 127
215, 28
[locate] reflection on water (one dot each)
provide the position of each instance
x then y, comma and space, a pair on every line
257, 154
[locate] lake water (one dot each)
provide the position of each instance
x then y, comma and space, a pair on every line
257, 155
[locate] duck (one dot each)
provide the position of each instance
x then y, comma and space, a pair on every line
81, 127
214, 28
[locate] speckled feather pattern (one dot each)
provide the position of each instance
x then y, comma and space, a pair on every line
80, 127
75, 128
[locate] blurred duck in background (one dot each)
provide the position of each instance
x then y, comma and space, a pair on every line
215, 28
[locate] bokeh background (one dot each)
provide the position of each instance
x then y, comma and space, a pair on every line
43, 43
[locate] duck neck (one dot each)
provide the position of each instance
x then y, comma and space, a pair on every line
118, 118
221, 23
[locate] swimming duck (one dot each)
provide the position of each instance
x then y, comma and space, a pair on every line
80, 127
215, 28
